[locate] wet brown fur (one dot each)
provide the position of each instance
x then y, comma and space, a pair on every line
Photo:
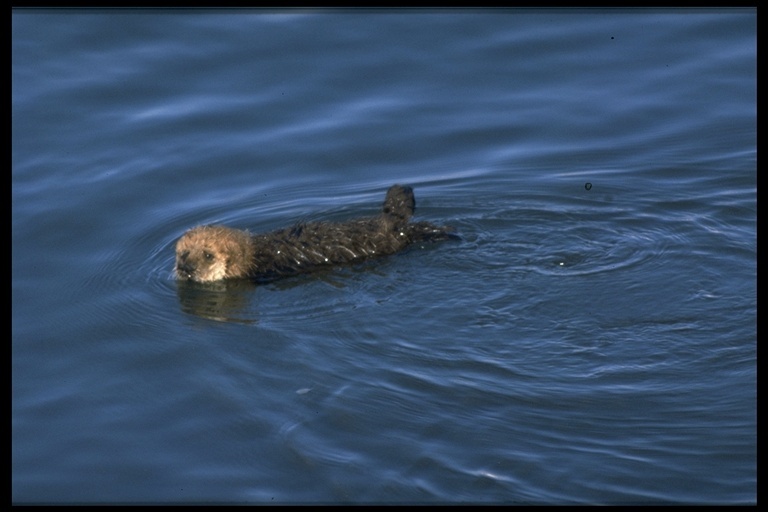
212, 253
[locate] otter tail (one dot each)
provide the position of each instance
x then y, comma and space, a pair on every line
428, 232
399, 203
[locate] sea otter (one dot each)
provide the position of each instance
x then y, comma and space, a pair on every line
212, 253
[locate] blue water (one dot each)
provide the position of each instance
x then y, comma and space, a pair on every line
590, 339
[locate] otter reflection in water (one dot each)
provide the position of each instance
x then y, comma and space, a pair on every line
211, 253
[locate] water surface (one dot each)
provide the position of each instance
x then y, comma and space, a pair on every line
590, 339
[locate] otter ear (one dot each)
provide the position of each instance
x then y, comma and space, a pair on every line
234, 253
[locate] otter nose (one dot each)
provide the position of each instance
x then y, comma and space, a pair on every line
184, 267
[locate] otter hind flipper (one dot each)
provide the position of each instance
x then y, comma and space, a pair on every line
399, 202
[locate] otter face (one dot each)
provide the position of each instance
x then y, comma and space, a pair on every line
211, 253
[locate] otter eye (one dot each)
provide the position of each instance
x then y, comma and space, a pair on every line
208, 255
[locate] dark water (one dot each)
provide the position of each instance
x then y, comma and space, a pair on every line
580, 344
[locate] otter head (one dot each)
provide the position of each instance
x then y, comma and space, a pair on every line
211, 253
